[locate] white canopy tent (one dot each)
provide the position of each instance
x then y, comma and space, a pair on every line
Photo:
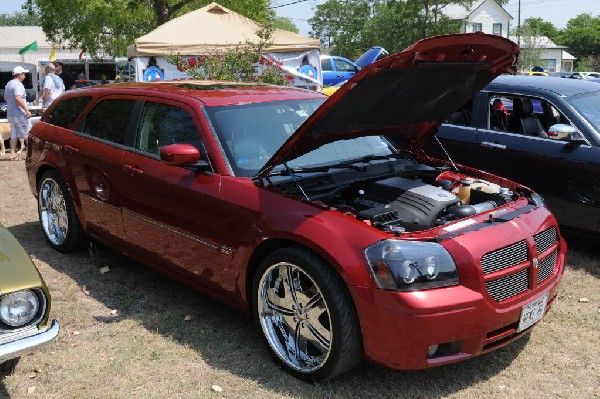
214, 28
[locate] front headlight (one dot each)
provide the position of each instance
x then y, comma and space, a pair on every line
536, 199
19, 308
409, 266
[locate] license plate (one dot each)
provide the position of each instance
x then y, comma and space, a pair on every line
532, 312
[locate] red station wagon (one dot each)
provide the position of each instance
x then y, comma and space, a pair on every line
297, 209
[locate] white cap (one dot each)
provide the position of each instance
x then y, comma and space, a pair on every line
19, 69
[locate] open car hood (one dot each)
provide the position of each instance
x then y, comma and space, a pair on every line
370, 56
404, 96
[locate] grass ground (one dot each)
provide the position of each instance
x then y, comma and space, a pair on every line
131, 333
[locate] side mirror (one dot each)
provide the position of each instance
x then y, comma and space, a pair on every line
562, 131
179, 154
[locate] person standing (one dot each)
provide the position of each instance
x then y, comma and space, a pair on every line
16, 109
66, 77
52, 86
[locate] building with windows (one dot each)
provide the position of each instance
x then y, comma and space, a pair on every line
553, 58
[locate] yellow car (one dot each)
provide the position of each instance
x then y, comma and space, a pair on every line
329, 90
24, 305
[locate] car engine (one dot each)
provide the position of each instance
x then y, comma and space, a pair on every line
400, 204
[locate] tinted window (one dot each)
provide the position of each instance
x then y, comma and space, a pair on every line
66, 111
164, 124
109, 120
326, 64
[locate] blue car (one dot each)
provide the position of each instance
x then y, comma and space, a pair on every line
338, 69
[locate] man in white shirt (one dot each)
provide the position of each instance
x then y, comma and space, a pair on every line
52, 85
16, 109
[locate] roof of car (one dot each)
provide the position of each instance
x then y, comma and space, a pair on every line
560, 86
211, 93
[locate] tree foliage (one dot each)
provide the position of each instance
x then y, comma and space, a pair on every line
20, 18
349, 27
541, 28
107, 27
582, 36
285, 24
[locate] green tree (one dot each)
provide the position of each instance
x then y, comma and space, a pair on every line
582, 36
109, 26
20, 18
542, 28
285, 24
531, 48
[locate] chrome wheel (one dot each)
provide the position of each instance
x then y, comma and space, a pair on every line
53, 212
294, 317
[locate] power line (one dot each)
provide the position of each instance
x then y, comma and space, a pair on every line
289, 4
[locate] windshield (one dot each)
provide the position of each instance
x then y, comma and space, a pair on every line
251, 133
588, 105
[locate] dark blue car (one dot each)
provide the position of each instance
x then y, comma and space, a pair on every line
541, 132
336, 69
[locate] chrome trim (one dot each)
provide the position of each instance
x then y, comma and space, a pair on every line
23, 346
169, 229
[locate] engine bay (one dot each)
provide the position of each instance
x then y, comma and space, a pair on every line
399, 204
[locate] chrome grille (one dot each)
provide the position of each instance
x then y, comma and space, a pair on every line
546, 267
545, 239
508, 286
504, 257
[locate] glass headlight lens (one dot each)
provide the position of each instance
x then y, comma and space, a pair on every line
536, 199
18, 308
408, 265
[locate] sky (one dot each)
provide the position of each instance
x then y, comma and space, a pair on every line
299, 11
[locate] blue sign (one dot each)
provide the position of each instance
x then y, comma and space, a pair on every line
153, 73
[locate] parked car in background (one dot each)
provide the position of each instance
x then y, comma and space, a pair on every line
336, 69
25, 325
576, 75
293, 207
548, 139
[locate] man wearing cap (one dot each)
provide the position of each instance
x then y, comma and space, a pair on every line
16, 109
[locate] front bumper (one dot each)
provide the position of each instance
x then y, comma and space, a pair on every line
24, 345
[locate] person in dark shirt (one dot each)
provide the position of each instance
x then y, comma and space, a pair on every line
65, 76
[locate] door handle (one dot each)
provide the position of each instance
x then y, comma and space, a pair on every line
493, 145
69, 149
131, 171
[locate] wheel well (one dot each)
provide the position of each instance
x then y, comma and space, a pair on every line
40, 172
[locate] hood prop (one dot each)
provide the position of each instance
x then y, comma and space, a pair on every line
447, 155
293, 176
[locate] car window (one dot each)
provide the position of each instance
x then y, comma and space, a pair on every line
66, 111
109, 120
343, 66
163, 124
529, 116
326, 64
588, 105
462, 117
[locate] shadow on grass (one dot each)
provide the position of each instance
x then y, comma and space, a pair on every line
227, 339
3, 392
583, 253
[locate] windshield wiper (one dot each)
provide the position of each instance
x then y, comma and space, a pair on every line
370, 158
290, 171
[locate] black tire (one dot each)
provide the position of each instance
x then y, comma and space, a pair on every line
58, 218
8, 367
318, 311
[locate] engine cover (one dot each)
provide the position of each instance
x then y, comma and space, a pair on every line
417, 204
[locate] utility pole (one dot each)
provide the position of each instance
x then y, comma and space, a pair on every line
519, 25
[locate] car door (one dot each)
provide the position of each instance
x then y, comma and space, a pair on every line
94, 153
344, 69
557, 169
172, 214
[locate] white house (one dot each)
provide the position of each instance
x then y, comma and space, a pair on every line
483, 16
490, 17
14, 38
554, 58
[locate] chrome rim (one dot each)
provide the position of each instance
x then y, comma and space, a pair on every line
294, 317
53, 212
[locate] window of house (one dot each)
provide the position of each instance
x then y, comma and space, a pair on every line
109, 120
497, 29
477, 27
549, 64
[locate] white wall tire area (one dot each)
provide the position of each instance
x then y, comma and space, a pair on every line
306, 315
58, 218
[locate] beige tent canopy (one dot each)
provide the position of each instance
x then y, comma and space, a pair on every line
210, 29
